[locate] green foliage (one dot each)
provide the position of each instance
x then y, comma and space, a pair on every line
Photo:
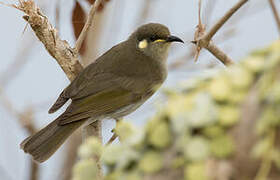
193, 126
151, 162
195, 171
85, 169
160, 136
196, 149
222, 147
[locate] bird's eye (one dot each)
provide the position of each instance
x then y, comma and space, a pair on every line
153, 38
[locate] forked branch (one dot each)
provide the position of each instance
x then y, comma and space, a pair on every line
203, 40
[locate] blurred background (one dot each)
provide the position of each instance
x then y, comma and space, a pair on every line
31, 80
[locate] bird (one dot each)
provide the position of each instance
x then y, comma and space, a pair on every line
113, 86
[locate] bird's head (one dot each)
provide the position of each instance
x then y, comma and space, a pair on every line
153, 40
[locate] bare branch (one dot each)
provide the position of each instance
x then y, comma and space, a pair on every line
87, 25
219, 54
34, 171
200, 30
114, 136
223, 20
112, 139
202, 40
59, 49
275, 13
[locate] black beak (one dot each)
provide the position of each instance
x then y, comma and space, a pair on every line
174, 39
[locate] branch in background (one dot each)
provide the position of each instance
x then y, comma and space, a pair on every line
225, 34
223, 20
200, 30
208, 11
78, 22
203, 41
112, 139
114, 136
57, 15
94, 37
59, 49
218, 53
26, 120
87, 25
275, 13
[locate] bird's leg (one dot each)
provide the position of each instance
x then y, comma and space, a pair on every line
113, 131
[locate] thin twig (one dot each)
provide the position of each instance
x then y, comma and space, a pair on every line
112, 139
200, 30
208, 12
57, 14
93, 39
114, 136
208, 36
88, 24
219, 54
275, 13
204, 41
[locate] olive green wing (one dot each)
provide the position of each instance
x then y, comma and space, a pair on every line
83, 86
101, 104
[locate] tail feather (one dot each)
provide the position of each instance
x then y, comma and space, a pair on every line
45, 142
61, 100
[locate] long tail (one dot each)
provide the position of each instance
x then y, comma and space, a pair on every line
45, 142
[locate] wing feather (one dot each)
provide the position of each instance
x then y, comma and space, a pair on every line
100, 104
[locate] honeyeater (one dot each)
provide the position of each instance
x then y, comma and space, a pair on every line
113, 86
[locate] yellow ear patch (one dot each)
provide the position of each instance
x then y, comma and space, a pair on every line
159, 40
143, 44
